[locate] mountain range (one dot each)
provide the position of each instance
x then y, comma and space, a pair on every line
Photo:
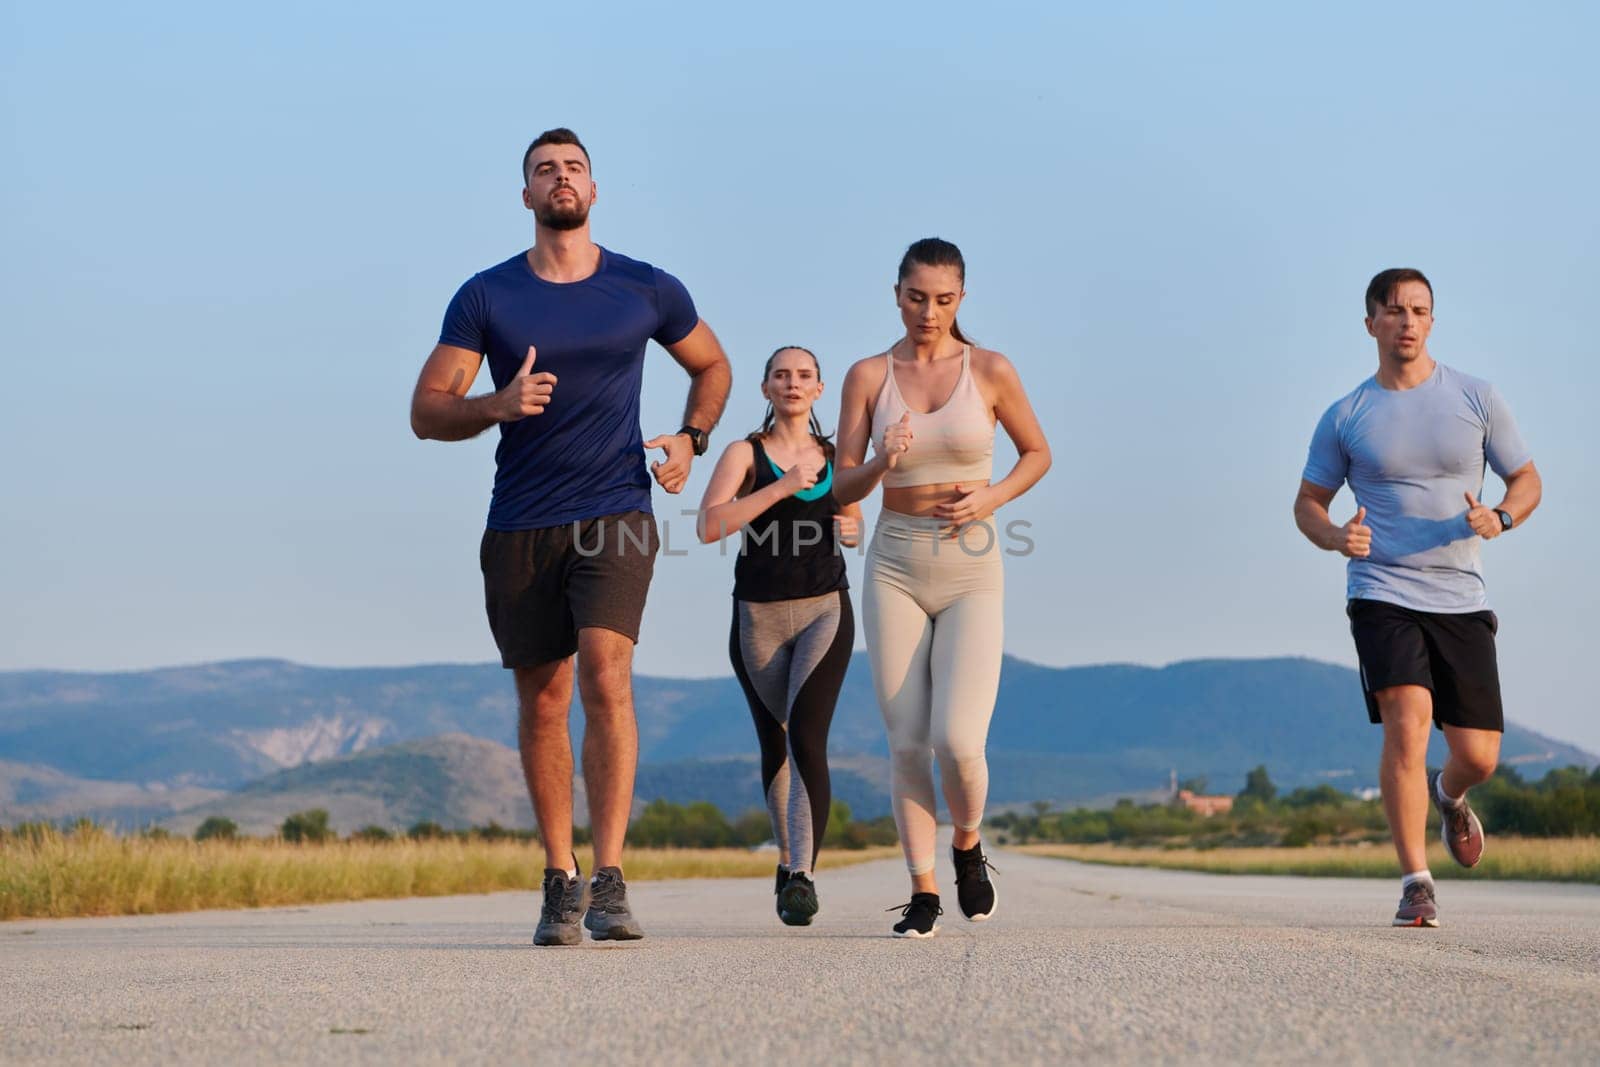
261, 738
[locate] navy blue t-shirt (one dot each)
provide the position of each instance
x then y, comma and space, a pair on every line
583, 456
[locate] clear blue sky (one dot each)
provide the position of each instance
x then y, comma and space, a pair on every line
230, 238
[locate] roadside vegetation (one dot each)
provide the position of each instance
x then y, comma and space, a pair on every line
85, 869
1542, 859
1545, 830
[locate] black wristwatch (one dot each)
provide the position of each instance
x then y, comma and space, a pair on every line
698, 439
1505, 519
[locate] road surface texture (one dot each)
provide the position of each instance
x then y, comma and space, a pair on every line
1091, 964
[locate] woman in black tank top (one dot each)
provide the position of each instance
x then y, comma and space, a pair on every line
793, 628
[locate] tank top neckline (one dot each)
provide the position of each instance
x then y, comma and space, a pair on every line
966, 371
824, 483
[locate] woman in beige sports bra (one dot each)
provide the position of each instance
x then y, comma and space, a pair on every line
934, 600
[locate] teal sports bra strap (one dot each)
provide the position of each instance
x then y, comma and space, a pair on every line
816, 492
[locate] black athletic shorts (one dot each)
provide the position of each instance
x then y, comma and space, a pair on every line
1452, 655
540, 587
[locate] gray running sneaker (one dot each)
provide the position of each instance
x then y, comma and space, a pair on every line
1417, 906
1460, 829
608, 917
564, 901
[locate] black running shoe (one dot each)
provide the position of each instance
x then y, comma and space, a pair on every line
777, 890
919, 917
798, 901
974, 892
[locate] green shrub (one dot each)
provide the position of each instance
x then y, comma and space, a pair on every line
307, 827
218, 827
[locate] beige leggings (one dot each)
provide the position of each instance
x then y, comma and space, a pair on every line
934, 614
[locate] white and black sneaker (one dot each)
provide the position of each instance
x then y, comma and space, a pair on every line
974, 891
920, 917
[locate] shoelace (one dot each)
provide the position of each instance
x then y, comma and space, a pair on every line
905, 909
974, 867
1416, 893
555, 899
1460, 824
606, 893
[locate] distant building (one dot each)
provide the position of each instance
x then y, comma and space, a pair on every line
1205, 805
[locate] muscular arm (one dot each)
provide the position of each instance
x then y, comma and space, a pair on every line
701, 355
1353, 539
709, 377
853, 475
440, 407
1524, 490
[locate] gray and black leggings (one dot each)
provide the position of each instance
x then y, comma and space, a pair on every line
790, 656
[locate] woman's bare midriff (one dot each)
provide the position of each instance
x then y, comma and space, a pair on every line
923, 499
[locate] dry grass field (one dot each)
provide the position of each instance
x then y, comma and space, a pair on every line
55, 875
1553, 859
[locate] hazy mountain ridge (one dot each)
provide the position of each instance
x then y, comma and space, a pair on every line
1060, 734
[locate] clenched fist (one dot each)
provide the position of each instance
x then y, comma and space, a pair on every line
800, 477
896, 440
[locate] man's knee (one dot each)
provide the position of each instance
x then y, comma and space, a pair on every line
605, 668
1475, 756
544, 694
1407, 715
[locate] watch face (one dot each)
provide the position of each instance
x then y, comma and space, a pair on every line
1505, 518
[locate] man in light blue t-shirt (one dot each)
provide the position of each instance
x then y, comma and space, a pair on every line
1412, 442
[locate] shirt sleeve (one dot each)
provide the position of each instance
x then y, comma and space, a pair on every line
466, 317
1326, 463
1502, 441
678, 316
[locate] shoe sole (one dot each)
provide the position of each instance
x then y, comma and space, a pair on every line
916, 933
559, 940
1429, 923
616, 932
790, 918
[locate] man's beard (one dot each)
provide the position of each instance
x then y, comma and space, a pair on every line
562, 216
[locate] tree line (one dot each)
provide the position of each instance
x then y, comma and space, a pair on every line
1564, 803
662, 824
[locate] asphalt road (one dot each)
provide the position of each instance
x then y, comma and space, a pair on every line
1092, 964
